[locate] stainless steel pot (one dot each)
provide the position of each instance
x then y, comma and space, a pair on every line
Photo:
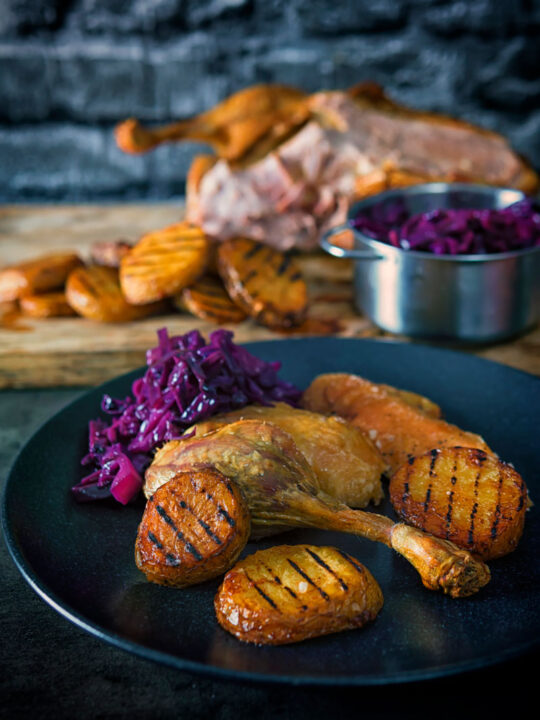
471, 298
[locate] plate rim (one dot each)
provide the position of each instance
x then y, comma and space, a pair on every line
67, 611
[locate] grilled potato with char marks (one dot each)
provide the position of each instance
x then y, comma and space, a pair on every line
208, 300
48, 272
266, 283
94, 292
163, 263
290, 593
463, 495
193, 529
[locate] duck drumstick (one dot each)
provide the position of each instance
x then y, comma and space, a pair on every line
282, 491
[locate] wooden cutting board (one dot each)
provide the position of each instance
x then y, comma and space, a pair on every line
77, 352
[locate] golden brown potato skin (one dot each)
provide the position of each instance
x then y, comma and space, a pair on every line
286, 594
51, 304
208, 300
264, 282
396, 425
193, 529
164, 262
347, 465
94, 292
41, 274
463, 495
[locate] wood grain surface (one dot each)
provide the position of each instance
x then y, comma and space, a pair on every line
76, 352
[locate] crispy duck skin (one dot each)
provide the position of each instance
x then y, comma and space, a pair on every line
398, 429
282, 491
232, 127
289, 593
288, 165
345, 462
193, 529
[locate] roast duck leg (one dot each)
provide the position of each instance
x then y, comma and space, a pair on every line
282, 491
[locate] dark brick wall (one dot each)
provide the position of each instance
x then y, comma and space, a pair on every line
70, 69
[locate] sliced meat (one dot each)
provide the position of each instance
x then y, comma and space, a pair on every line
355, 144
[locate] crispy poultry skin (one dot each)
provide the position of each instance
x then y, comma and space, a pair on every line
193, 529
232, 126
281, 491
398, 429
286, 594
346, 464
463, 495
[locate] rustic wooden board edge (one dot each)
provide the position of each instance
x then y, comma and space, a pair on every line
66, 369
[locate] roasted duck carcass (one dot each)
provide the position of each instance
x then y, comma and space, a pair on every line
289, 593
288, 165
398, 428
282, 491
346, 464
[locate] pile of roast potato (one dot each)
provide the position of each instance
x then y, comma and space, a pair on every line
174, 268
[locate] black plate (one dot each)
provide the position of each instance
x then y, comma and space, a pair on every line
79, 558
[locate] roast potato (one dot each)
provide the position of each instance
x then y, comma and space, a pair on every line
163, 263
290, 593
266, 283
464, 495
48, 272
193, 529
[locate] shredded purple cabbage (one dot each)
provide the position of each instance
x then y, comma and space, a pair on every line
453, 231
187, 380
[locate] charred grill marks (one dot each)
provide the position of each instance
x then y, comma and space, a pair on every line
307, 578
168, 519
453, 480
474, 509
497, 508
208, 530
352, 561
225, 515
253, 251
153, 539
324, 565
432, 462
277, 580
263, 594
251, 274
220, 509
284, 264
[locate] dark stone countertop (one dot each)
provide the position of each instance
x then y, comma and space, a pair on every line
50, 668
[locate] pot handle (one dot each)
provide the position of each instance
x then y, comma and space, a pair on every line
340, 252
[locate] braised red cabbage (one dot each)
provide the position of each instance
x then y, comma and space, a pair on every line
453, 231
187, 380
